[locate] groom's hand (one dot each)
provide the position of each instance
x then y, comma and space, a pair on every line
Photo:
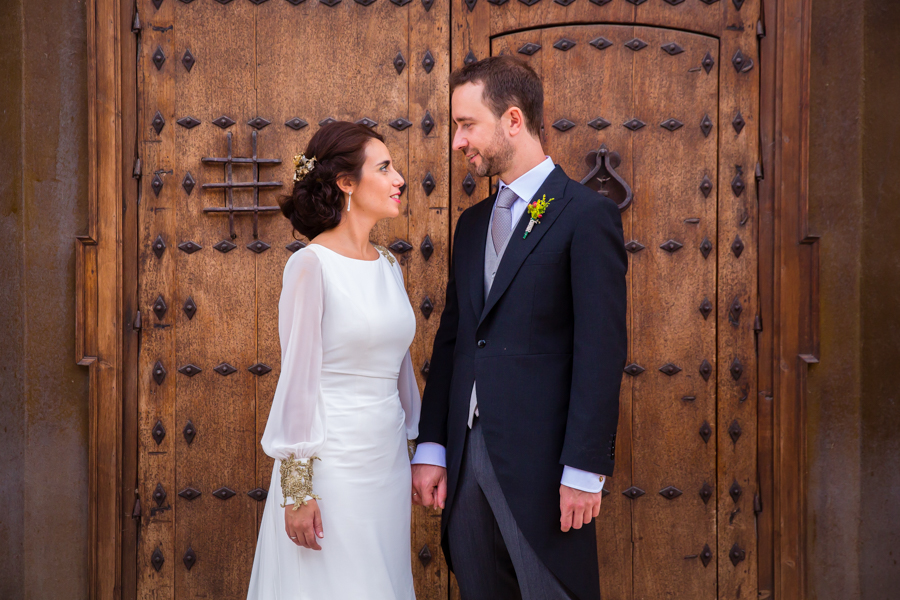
577, 508
429, 484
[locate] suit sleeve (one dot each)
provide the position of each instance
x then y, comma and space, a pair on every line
436, 400
599, 264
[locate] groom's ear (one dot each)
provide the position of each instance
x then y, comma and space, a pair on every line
516, 120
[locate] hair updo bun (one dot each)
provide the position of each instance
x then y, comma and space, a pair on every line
316, 203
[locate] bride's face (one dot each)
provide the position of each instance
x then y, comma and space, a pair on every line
378, 190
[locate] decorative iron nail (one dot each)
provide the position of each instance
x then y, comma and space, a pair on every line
634, 369
159, 494
468, 184
688, 398
636, 44
671, 246
258, 494
189, 558
258, 246
604, 493
223, 122
224, 246
188, 60
735, 431
367, 122
706, 125
189, 247
600, 43
136, 23
529, 2
136, 325
365, 2
672, 48
427, 4
705, 247
400, 124
705, 555
189, 369
738, 60
136, 170
189, 494
428, 61
330, 3
705, 432
737, 184
159, 246
708, 62
734, 311
160, 307
159, 58
470, 58
189, 432
757, 324
399, 63
736, 554
327, 121
157, 3
497, 2
158, 433
400, 247
705, 308
757, 504
188, 122
224, 369
634, 246
563, 125
709, 1
223, 493
156, 184
599, 124
296, 124
224, 1
157, 559
736, 368
600, 2
426, 248
738, 4
706, 186
158, 122
427, 122
428, 184
426, 369
637, 2
529, 49
188, 183
259, 369
258, 123
295, 245
564, 44
738, 123
759, 172
705, 367
671, 124
633, 492
760, 29
634, 124
670, 369
706, 492
737, 246
425, 555
670, 492
426, 307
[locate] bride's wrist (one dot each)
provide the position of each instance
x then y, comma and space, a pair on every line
297, 480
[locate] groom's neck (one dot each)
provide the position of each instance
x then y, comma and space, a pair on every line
526, 157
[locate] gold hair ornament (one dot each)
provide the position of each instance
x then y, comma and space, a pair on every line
303, 166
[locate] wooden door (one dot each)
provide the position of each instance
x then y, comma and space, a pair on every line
676, 98
229, 92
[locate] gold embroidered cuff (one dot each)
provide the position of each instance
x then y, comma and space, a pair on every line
411, 447
296, 479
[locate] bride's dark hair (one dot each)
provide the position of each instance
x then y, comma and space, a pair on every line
316, 203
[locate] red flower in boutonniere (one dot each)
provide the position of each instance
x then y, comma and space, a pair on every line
537, 209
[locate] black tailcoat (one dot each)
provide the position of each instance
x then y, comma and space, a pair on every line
547, 350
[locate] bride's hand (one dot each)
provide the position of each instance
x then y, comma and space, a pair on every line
304, 525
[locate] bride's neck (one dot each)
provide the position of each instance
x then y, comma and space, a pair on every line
351, 236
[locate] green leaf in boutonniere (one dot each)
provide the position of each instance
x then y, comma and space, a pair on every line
537, 209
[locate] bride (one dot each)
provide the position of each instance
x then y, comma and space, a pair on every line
336, 523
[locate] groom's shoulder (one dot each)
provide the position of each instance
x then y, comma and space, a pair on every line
585, 201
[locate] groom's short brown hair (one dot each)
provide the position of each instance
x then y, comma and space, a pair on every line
507, 82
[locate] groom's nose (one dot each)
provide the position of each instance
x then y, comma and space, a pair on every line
459, 142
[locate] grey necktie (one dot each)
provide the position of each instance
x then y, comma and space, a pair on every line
501, 226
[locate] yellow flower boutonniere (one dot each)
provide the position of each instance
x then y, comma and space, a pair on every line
537, 209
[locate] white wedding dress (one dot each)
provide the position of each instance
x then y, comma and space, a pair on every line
347, 394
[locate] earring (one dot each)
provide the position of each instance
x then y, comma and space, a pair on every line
349, 198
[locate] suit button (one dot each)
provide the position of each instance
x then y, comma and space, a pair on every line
482, 343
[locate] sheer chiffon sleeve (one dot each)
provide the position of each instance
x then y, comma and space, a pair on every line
407, 386
296, 426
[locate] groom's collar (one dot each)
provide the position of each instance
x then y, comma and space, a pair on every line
528, 184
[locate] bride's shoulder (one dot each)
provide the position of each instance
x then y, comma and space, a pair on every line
386, 253
304, 261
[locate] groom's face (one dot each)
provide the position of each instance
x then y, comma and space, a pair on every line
480, 135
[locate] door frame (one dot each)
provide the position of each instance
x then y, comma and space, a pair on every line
108, 335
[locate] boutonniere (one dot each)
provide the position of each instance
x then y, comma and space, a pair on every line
537, 209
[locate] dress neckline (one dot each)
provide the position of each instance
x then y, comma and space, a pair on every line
361, 260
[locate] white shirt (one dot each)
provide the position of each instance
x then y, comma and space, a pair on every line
431, 453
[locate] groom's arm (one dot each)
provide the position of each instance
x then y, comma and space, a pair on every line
598, 267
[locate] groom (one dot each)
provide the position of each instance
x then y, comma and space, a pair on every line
519, 416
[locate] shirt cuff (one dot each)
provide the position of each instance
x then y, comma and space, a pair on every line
430, 453
582, 480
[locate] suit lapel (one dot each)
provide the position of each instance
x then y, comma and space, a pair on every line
475, 268
518, 249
